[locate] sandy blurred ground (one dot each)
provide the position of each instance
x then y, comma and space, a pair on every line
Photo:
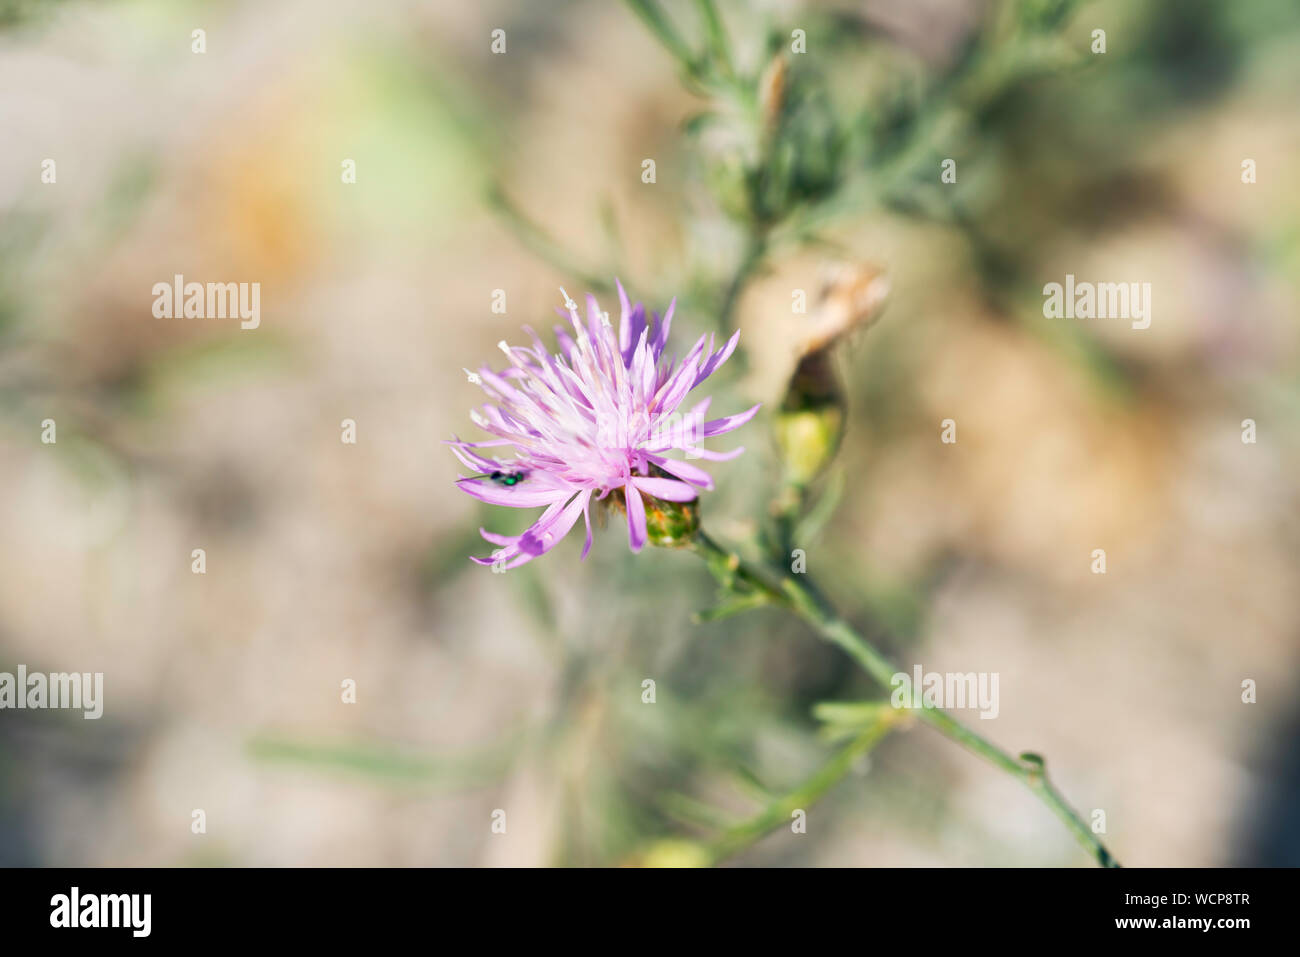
328, 561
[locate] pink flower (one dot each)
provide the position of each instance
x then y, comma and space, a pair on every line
597, 417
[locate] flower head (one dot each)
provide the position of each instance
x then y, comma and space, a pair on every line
597, 418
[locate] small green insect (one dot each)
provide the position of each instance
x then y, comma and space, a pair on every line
508, 479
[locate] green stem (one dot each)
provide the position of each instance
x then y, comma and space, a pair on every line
797, 594
805, 795
751, 259
540, 243
657, 22
717, 36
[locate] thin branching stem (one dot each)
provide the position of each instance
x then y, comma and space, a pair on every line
797, 594
807, 793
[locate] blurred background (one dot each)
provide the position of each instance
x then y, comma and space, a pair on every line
522, 171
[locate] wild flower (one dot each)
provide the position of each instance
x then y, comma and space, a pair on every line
596, 419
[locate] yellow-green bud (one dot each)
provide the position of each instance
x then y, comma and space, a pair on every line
810, 423
674, 853
671, 524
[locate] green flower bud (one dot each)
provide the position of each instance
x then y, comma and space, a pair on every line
810, 423
671, 524
667, 524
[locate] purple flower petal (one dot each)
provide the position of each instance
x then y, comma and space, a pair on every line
710, 456
540, 539
666, 489
661, 329
719, 426
636, 534
586, 517
684, 471
715, 361
518, 496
